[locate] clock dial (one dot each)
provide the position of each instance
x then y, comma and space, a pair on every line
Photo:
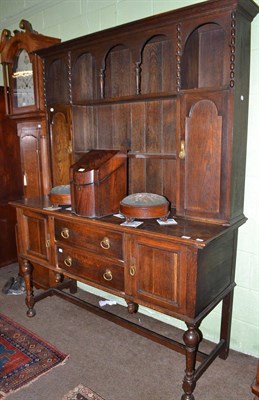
23, 81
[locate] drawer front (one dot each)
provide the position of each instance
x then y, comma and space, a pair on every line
104, 242
104, 271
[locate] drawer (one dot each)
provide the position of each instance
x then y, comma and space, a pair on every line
104, 271
101, 241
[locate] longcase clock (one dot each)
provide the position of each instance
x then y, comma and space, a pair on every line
24, 99
24, 103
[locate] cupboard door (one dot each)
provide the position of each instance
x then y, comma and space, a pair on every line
34, 244
34, 237
30, 133
61, 144
156, 274
202, 157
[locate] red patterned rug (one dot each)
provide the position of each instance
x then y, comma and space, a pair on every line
24, 357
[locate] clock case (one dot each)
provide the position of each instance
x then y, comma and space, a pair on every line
10, 48
30, 121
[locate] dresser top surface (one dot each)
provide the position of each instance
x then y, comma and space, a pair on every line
185, 231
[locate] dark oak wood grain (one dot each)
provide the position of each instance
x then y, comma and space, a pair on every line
171, 92
33, 173
11, 184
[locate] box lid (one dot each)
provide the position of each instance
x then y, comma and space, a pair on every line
96, 165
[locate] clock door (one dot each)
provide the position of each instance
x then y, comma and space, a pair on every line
22, 82
29, 133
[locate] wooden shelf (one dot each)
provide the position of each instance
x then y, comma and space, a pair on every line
127, 99
139, 154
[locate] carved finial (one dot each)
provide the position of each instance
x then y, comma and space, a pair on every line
6, 35
26, 26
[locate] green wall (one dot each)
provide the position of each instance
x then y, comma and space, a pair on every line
68, 19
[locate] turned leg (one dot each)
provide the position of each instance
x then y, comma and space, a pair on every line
27, 275
226, 318
192, 337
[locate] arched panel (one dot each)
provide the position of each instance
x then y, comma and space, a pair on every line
202, 64
157, 67
57, 82
203, 140
61, 148
83, 78
30, 158
23, 83
118, 72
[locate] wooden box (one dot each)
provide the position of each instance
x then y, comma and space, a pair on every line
98, 183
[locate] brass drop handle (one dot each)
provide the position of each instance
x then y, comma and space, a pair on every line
182, 153
105, 243
107, 275
133, 268
65, 233
68, 261
47, 243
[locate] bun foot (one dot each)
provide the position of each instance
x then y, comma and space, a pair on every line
31, 312
187, 397
132, 308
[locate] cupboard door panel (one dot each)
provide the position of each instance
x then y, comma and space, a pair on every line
157, 274
204, 167
203, 158
35, 236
